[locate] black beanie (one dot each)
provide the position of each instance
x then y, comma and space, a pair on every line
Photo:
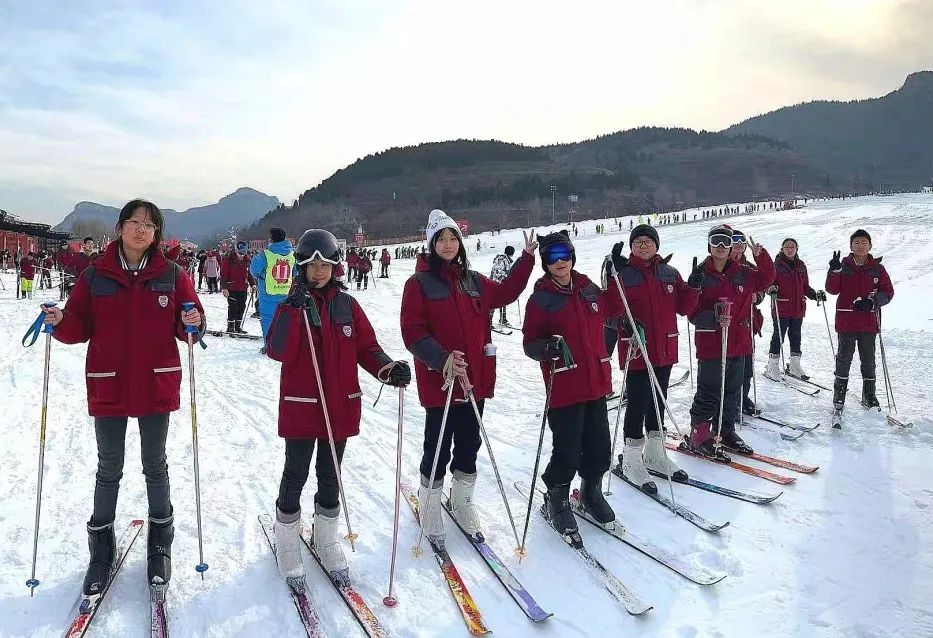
560, 237
860, 233
644, 230
277, 234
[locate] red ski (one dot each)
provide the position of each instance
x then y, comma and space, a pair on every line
745, 469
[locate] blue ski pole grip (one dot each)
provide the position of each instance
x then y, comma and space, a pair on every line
38, 326
186, 306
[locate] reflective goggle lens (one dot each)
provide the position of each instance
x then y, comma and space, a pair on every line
724, 241
558, 252
317, 255
738, 238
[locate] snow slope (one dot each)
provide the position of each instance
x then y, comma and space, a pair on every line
844, 552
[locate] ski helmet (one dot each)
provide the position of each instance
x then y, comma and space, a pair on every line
317, 243
554, 239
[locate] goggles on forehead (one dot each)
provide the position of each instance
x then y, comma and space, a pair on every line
317, 255
558, 252
720, 239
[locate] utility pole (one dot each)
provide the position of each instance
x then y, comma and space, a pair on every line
553, 204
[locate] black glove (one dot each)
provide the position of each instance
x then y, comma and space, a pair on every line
552, 349
821, 295
759, 297
695, 280
400, 374
864, 304
299, 297
834, 263
772, 290
619, 261
811, 294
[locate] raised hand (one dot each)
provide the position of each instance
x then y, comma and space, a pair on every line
695, 280
756, 247
834, 263
530, 244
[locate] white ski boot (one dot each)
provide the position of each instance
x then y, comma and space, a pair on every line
773, 371
795, 369
633, 466
461, 503
429, 509
326, 545
288, 544
657, 460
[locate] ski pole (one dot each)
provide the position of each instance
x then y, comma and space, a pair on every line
690, 352
48, 329
888, 390
201, 567
829, 332
751, 323
416, 550
780, 331
615, 433
390, 600
521, 552
330, 433
725, 314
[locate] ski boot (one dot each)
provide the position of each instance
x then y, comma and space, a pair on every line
325, 543
461, 503
231, 327
702, 442
794, 369
238, 328
773, 371
594, 503
749, 408
102, 544
429, 510
733, 442
288, 544
840, 385
159, 552
869, 400
633, 466
556, 509
657, 459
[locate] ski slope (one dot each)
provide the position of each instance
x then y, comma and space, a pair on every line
844, 552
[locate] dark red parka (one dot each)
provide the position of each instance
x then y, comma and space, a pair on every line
578, 314
27, 268
234, 272
132, 321
854, 281
792, 282
364, 264
344, 340
80, 261
449, 310
656, 295
385, 258
738, 283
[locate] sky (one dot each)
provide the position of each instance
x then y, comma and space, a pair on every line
184, 102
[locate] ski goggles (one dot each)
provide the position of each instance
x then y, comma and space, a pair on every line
720, 239
317, 255
558, 252
738, 238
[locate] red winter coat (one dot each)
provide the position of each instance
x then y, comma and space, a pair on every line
80, 261
738, 283
364, 265
854, 281
352, 260
344, 340
449, 310
792, 282
577, 314
132, 367
656, 295
27, 268
385, 259
234, 273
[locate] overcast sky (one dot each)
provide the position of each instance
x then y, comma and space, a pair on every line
105, 100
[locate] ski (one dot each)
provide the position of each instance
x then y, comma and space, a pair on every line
516, 590
621, 404
748, 497
297, 587
766, 427
810, 392
782, 463
87, 606
341, 582
233, 335
501, 331
681, 511
895, 419
807, 380
698, 575
468, 609
745, 469
785, 424
158, 621
632, 603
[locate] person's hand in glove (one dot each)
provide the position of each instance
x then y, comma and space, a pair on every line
866, 304
695, 280
821, 295
834, 263
619, 261
772, 290
553, 349
811, 294
399, 374
298, 297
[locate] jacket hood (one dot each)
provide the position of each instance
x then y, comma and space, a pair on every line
869, 261
109, 260
546, 282
283, 247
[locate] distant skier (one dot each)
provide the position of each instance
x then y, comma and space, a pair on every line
27, 273
364, 267
128, 305
235, 281
501, 265
723, 277
445, 325
212, 272
272, 269
863, 287
343, 340
384, 260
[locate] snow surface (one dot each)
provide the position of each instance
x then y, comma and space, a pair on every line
844, 552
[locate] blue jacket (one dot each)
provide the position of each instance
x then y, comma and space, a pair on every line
257, 266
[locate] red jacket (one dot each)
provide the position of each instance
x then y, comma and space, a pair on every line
854, 281
449, 310
656, 295
792, 282
578, 315
738, 283
234, 273
27, 268
132, 365
385, 259
80, 261
364, 265
352, 260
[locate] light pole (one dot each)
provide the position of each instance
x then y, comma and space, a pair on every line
553, 204
573, 206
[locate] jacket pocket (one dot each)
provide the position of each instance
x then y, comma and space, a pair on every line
166, 384
102, 388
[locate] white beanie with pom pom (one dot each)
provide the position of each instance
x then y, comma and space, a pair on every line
438, 220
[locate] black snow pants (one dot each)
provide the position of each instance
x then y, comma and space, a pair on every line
639, 413
866, 354
706, 400
461, 433
580, 442
791, 327
236, 305
298, 453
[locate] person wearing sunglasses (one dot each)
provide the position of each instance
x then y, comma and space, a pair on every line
656, 295
445, 325
563, 330
739, 247
724, 279
318, 307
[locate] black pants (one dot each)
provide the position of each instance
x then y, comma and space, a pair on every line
111, 439
200, 279
384, 270
580, 442
788, 325
639, 413
236, 305
212, 284
706, 400
362, 277
747, 378
866, 353
298, 453
461, 433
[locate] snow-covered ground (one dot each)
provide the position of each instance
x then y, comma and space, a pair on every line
844, 552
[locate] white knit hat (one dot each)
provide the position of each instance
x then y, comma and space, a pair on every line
438, 220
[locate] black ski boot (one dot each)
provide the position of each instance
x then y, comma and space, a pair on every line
238, 328
557, 509
593, 502
869, 400
161, 535
702, 443
102, 543
749, 408
734, 443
